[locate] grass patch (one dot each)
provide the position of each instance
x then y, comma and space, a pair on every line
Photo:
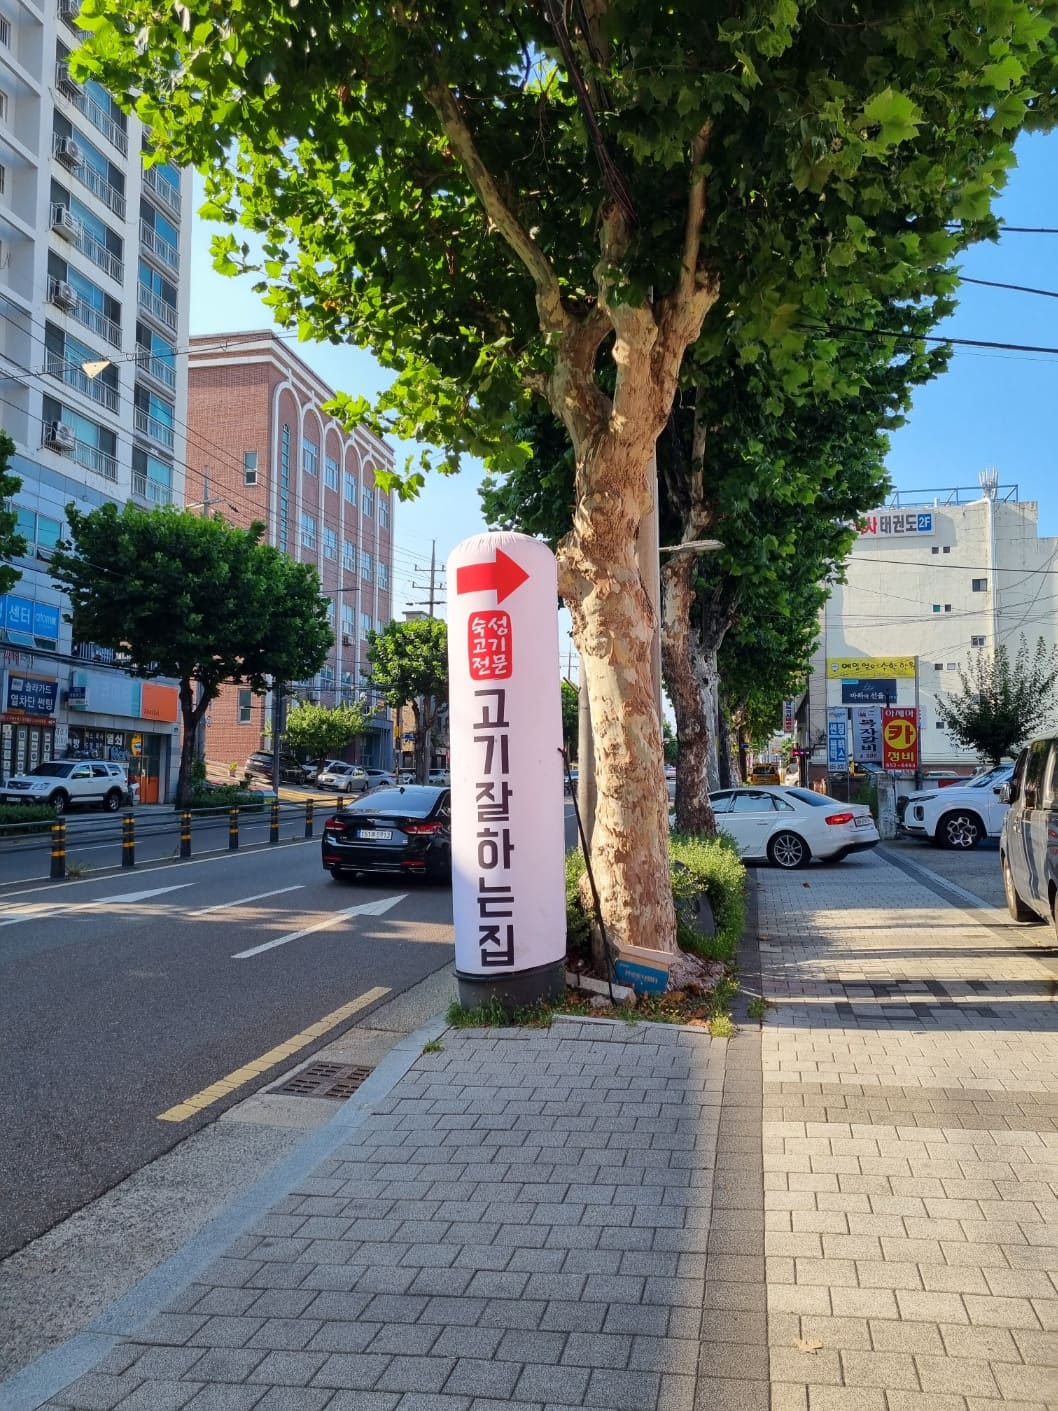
220, 797
722, 1027
493, 1014
432, 1046
25, 819
758, 1007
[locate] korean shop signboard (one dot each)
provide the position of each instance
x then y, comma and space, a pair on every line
508, 881
868, 668
900, 738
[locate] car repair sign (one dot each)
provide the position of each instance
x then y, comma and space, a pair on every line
900, 738
505, 720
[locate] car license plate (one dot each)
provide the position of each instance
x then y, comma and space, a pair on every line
864, 821
381, 835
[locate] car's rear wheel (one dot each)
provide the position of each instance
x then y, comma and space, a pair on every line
789, 850
1017, 908
60, 801
112, 802
961, 830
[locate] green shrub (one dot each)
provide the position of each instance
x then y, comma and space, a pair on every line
41, 815
225, 796
709, 865
712, 866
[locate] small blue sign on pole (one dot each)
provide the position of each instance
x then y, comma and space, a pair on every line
837, 738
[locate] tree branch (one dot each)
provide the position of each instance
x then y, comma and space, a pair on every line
553, 316
692, 233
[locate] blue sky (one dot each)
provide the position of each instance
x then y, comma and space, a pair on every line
992, 408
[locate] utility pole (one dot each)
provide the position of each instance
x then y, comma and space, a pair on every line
430, 602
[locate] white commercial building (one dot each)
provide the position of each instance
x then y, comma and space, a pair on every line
934, 578
93, 289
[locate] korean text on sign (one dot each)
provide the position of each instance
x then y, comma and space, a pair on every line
890, 522
489, 646
493, 795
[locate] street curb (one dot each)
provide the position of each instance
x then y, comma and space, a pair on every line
44, 1378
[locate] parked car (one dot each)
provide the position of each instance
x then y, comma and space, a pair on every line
291, 769
378, 777
764, 773
404, 829
441, 777
343, 778
960, 815
790, 826
64, 783
1027, 854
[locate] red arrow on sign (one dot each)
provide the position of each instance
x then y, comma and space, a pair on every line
503, 574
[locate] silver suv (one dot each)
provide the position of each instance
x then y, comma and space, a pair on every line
65, 782
1026, 849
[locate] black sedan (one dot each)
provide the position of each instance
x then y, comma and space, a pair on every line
405, 829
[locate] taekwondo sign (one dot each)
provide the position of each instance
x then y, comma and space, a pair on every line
505, 719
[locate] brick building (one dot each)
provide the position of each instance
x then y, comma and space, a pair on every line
261, 448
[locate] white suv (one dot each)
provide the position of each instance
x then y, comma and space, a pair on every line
63, 782
962, 814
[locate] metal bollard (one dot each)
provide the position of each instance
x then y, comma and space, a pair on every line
308, 819
339, 804
128, 840
58, 849
233, 830
185, 833
273, 822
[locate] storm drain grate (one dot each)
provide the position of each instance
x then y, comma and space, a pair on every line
336, 1080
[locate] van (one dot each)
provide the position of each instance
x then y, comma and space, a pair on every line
1027, 854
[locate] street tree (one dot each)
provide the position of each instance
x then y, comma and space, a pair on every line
12, 544
1001, 701
193, 599
409, 665
541, 201
322, 731
570, 718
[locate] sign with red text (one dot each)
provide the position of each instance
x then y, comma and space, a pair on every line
900, 738
505, 723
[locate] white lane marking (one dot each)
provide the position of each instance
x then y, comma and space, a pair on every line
243, 901
44, 910
370, 908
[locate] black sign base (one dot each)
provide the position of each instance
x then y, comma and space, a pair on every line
513, 991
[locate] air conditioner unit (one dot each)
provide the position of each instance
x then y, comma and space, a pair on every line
68, 9
69, 152
65, 223
347, 641
63, 294
59, 436
66, 80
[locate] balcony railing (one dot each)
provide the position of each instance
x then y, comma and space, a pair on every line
73, 376
67, 11
151, 490
156, 305
99, 186
100, 256
100, 119
5, 31
160, 248
160, 184
151, 427
92, 458
155, 367
89, 316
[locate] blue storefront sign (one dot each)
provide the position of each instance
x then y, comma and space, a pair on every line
30, 695
837, 738
880, 692
21, 618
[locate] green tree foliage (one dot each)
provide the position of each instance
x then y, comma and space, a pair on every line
409, 665
570, 718
12, 545
320, 732
194, 599
558, 202
1001, 701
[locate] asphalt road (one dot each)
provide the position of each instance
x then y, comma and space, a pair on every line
123, 996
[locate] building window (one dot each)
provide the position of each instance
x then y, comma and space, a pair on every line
365, 623
383, 574
979, 585
947, 607
330, 544
383, 511
934, 549
330, 612
977, 641
953, 666
348, 556
249, 467
936, 607
368, 502
245, 707
330, 473
308, 531
310, 457
946, 549
348, 626
365, 566
349, 488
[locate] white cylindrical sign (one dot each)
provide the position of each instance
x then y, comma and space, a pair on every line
505, 718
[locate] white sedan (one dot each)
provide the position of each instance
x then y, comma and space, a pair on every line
790, 826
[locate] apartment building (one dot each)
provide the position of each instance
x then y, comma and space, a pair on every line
260, 447
93, 324
934, 578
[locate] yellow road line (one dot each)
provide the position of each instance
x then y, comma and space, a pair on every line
231, 1081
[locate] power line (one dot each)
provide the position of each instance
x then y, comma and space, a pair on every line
1017, 288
